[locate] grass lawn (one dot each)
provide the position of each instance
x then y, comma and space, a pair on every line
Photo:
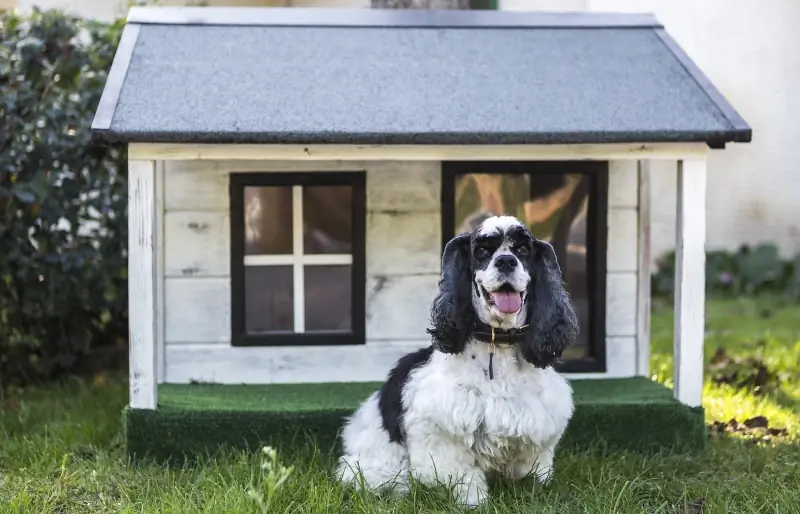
59, 448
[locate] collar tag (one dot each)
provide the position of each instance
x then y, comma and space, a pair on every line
492, 347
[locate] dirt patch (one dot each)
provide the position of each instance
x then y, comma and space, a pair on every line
755, 429
750, 373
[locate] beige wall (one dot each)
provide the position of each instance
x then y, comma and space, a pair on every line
749, 50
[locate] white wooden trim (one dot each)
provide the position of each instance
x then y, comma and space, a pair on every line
266, 365
222, 364
159, 220
297, 267
304, 260
628, 151
690, 282
644, 271
142, 280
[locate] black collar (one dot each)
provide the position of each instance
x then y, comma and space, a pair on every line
488, 334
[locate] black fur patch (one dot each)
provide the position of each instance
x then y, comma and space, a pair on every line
390, 397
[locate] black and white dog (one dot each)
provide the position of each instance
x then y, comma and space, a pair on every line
483, 398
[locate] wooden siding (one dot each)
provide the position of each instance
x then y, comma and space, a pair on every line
403, 256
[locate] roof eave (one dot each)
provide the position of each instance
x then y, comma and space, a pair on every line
713, 139
740, 131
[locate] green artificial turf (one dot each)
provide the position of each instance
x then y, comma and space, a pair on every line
631, 414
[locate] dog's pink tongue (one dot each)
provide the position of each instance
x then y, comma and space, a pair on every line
507, 302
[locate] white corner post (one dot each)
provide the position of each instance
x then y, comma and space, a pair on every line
643, 270
142, 283
690, 281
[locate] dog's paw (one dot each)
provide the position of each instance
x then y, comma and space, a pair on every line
473, 494
544, 475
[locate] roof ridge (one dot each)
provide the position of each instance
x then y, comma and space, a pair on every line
350, 17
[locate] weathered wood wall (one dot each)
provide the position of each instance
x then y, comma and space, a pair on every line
403, 254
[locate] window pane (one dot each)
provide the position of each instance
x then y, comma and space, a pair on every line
554, 206
267, 220
327, 219
269, 299
328, 297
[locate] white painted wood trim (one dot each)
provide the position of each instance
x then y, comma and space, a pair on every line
160, 273
628, 151
304, 260
298, 283
222, 364
285, 365
397, 308
142, 268
644, 271
690, 282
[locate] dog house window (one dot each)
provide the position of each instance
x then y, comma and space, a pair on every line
297, 259
563, 203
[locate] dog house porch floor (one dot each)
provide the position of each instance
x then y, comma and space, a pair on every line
634, 414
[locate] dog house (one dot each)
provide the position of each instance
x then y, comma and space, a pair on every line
295, 173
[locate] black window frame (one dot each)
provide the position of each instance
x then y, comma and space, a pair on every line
237, 183
596, 238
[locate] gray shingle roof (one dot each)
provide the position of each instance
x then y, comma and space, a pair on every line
266, 75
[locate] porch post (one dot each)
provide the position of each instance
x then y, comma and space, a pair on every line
142, 283
690, 281
644, 270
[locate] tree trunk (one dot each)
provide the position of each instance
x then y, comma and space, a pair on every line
420, 4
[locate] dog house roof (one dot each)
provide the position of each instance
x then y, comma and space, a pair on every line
366, 76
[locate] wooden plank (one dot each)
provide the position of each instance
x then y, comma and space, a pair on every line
398, 306
401, 243
160, 265
391, 186
198, 310
298, 273
197, 243
264, 365
644, 272
107, 106
627, 151
621, 359
690, 282
621, 253
196, 186
142, 270
407, 186
622, 190
621, 304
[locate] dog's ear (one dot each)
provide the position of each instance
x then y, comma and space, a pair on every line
551, 317
452, 313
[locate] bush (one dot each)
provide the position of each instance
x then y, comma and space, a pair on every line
63, 220
748, 271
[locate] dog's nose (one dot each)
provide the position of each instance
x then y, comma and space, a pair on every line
505, 263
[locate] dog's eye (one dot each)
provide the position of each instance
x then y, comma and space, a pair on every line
523, 251
481, 253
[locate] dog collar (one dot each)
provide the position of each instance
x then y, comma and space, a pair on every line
494, 336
